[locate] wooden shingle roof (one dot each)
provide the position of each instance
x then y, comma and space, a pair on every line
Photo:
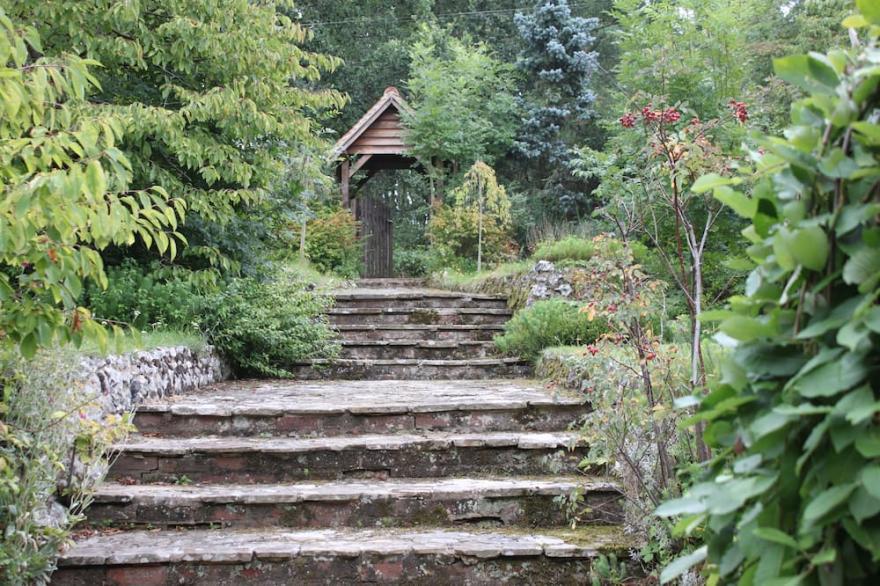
380, 131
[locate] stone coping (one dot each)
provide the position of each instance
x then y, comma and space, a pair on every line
276, 398
424, 441
429, 327
244, 545
348, 490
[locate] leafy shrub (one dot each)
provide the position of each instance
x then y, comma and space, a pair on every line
453, 232
47, 448
414, 262
145, 296
793, 493
264, 327
552, 322
332, 244
569, 248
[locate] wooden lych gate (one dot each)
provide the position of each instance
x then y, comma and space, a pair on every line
375, 143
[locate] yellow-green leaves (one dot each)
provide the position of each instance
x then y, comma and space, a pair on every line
64, 197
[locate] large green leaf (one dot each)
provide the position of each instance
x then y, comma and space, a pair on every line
827, 501
870, 9
681, 565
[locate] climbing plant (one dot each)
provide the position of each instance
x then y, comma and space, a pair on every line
792, 495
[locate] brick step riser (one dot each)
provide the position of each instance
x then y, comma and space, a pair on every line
318, 569
420, 303
369, 335
261, 467
405, 351
410, 372
509, 511
421, 318
543, 418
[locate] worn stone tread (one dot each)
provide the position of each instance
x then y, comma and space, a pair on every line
427, 327
410, 362
243, 545
406, 310
392, 293
422, 441
276, 398
447, 488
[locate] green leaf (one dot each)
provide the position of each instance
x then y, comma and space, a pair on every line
686, 505
826, 556
826, 502
711, 181
871, 480
776, 536
862, 505
807, 73
743, 205
832, 377
681, 565
746, 329
870, 9
810, 247
861, 266
28, 346
868, 443
95, 180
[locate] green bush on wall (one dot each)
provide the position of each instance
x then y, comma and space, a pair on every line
552, 322
568, 248
145, 297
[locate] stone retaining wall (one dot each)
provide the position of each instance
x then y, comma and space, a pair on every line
123, 382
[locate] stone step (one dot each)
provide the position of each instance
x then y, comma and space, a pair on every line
337, 556
414, 299
420, 316
395, 502
429, 454
391, 283
412, 369
463, 333
418, 349
333, 408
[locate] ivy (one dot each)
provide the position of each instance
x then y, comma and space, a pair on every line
792, 495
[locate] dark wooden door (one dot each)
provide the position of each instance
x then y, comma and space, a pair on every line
377, 230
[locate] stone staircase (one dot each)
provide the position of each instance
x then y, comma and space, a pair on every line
404, 331
408, 480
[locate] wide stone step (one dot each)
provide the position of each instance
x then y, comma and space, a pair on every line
418, 316
337, 556
391, 283
414, 299
433, 454
395, 502
463, 333
333, 408
417, 349
413, 369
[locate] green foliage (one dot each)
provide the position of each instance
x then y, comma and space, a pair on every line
263, 328
146, 297
66, 194
462, 100
212, 94
551, 322
454, 235
414, 262
47, 447
793, 494
569, 248
332, 245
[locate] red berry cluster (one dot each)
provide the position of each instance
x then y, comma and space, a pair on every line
628, 120
593, 350
740, 111
649, 115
